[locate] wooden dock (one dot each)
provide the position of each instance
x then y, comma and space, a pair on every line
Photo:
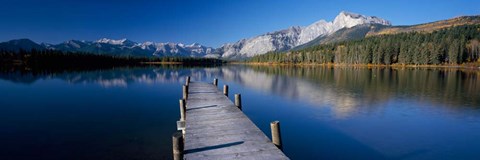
215, 128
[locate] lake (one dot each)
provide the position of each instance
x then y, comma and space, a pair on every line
325, 112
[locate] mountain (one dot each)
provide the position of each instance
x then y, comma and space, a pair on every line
123, 42
344, 34
177, 49
345, 26
275, 41
122, 47
20, 44
294, 36
428, 27
367, 30
125, 47
282, 40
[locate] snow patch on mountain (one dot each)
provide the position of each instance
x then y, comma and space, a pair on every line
112, 41
125, 46
295, 36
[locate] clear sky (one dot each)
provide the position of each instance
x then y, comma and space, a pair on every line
209, 22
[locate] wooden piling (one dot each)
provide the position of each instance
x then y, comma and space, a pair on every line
185, 92
238, 101
276, 137
225, 90
183, 108
187, 81
177, 141
215, 82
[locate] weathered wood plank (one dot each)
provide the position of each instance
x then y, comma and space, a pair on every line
274, 154
216, 129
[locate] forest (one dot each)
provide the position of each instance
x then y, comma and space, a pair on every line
54, 60
455, 45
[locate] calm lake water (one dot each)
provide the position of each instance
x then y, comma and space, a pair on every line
325, 113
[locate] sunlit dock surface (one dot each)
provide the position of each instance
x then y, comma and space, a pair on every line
216, 129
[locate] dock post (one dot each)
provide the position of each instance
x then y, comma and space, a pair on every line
225, 90
185, 92
177, 140
238, 101
187, 81
276, 137
215, 82
183, 108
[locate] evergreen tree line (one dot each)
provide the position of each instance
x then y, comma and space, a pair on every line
55, 60
455, 45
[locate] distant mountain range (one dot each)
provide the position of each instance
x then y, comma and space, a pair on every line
127, 47
345, 26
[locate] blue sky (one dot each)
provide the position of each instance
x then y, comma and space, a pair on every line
209, 22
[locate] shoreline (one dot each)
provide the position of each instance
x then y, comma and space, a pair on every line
161, 62
465, 66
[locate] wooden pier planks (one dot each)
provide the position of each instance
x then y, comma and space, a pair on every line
216, 129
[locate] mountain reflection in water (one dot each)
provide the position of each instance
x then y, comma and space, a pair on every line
346, 112
342, 88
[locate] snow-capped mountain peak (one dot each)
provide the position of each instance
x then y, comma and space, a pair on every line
147, 43
194, 45
342, 20
348, 20
127, 47
314, 30
295, 36
123, 41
